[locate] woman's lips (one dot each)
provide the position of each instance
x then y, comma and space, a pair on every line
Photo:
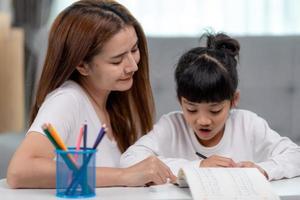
126, 79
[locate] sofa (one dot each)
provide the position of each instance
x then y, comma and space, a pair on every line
269, 68
8, 145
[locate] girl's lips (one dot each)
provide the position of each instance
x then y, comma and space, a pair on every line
204, 132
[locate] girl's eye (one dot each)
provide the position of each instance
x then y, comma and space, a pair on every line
191, 110
215, 111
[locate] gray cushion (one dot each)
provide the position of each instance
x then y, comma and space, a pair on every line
269, 72
8, 145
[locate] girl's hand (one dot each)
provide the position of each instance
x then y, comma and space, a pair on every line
217, 161
149, 171
250, 164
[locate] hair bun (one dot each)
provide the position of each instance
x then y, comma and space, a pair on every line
223, 42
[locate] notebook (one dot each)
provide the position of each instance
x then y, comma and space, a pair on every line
225, 183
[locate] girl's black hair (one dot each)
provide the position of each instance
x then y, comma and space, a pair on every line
209, 74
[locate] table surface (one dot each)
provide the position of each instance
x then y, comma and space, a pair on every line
287, 189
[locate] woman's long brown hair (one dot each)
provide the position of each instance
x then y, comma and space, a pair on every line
78, 34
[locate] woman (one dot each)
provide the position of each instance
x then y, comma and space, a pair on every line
95, 72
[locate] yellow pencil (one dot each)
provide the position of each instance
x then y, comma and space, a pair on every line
56, 137
59, 141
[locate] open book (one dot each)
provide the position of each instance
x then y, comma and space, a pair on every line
225, 183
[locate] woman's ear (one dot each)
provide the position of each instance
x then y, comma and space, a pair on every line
83, 69
236, 99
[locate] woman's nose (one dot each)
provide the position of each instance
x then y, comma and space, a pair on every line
131, 65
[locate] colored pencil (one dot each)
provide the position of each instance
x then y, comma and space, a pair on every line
57, 138
84, 135
66, 157
73, 185
79, 139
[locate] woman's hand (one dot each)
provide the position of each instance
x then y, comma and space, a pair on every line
149, 171
217, 161
250, 164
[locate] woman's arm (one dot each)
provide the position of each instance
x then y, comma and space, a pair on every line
32, 165
167, 141
149, 171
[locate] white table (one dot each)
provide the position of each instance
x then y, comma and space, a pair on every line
287, 189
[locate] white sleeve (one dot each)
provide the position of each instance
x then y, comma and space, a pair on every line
61, 111
277, 155
146, 146
158, 142
176, 163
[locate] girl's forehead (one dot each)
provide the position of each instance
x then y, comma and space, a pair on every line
210, 104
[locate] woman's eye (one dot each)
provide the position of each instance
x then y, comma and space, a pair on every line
134, 49
116, 62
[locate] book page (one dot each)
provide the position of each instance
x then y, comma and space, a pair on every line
227, 183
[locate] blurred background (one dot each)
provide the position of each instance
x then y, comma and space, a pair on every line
268, 30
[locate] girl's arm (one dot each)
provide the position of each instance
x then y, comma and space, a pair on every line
278, 156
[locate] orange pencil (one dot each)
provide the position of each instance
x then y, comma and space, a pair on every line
59, 141
56, 137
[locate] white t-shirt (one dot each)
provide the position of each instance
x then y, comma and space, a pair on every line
247, 137
67, 108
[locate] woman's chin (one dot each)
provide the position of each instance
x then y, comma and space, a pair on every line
124, 85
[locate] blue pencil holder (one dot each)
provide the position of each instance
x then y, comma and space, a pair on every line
75, 173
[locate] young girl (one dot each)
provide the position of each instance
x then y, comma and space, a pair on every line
96, 71
209, 126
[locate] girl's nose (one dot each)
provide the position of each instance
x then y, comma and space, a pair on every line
203, 121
